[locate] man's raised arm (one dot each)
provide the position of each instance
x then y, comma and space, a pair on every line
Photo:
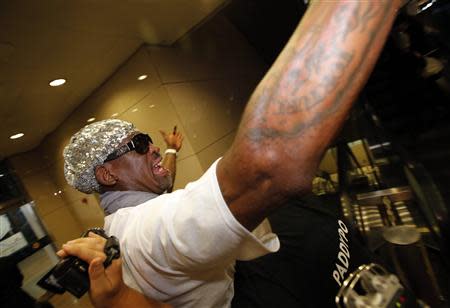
301, 103
174, 141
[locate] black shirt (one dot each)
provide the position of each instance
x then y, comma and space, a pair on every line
318, 251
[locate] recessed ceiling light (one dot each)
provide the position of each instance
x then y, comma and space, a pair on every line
90, 120
142, 77
57, 82
114, 115
16, 136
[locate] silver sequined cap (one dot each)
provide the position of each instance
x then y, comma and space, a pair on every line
89, 148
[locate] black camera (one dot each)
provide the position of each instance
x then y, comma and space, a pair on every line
71, 273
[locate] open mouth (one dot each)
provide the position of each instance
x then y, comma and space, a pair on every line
158, 169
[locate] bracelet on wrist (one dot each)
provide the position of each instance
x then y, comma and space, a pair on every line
171, 151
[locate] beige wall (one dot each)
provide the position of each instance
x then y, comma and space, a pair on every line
57, 217
200, 84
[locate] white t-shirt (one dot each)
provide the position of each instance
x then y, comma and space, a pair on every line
181, 248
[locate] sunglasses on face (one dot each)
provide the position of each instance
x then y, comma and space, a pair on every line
139, 143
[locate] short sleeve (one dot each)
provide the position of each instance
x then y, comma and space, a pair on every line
193, 229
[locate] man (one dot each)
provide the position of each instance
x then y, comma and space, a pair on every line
115, 196
181, 247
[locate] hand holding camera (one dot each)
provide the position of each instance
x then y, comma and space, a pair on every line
84, 260
93, 263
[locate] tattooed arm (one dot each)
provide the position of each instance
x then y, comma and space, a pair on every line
301, 103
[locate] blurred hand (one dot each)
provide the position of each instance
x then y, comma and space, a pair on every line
107, 288
106, 285
173, 140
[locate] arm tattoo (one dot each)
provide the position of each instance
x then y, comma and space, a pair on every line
318, 71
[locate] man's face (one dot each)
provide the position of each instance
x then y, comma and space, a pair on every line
140, 172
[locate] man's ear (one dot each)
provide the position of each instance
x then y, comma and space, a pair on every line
104, 176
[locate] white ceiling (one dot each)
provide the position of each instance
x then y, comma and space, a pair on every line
83, 41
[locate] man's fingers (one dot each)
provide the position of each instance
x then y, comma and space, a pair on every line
95, 235
61, 253
84, 252
105, 280
114, 272
96, 269
94, 241
101, 287
90, 244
